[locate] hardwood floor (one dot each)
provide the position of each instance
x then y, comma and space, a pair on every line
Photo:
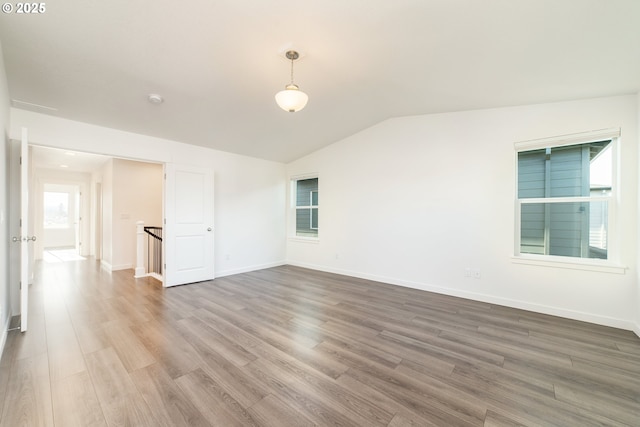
293, 347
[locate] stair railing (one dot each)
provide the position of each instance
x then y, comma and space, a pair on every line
153, 237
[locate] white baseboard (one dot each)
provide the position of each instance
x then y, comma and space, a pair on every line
491, 299
104, 264
224, 273
156, 276
152, 274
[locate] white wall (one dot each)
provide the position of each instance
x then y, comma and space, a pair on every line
5, 297
250, 194
107, 213
416, 200
137, 196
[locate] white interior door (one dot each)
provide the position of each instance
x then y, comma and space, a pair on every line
188, 242
25, 239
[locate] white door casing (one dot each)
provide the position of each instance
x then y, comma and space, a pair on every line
77, 220
189, 237
25, 239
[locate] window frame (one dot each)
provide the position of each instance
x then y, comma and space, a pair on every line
611, 264
294, 208
312, 207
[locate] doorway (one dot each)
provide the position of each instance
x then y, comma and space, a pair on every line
61, 222
119, 193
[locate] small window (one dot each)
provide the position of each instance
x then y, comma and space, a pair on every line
306, 206
565, 198
56, 209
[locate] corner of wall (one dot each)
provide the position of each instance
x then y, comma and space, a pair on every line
637, 305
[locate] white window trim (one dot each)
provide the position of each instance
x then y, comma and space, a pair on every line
293, 208
302, 239
589, 264
564, 140
612, 263
312, 207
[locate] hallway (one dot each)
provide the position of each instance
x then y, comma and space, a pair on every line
74, 309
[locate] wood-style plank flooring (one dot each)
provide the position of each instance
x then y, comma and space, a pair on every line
293, 347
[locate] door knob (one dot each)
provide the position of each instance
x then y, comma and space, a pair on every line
32, 238
209, 229
15, 239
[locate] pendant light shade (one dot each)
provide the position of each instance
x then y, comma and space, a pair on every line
291, 99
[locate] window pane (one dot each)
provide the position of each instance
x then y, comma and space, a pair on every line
601, 169
303, 222
314, 219
531, 174
571, 171
306, 207
575, 229
304, 187
56, 209
532, 229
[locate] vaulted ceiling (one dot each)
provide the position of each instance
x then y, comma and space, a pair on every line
218, 63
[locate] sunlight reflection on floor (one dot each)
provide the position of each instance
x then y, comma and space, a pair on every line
61, 255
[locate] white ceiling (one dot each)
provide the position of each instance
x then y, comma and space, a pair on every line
63, 160
218, 64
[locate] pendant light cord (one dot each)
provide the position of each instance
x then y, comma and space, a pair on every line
291, 70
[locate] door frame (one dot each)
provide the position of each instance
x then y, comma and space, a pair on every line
82, 210
99, 205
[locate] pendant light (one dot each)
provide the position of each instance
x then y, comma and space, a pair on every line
291, 99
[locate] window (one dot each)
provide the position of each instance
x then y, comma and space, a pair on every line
306, 206
56, 209
565, 196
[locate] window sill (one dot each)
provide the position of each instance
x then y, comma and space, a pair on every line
304, 239
573, 264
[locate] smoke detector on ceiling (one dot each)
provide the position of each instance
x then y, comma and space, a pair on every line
154, 98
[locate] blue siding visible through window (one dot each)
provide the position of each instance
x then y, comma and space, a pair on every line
307, 207
563, 228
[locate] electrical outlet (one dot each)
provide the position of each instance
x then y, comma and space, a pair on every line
467, 272
476, 274
227, 257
